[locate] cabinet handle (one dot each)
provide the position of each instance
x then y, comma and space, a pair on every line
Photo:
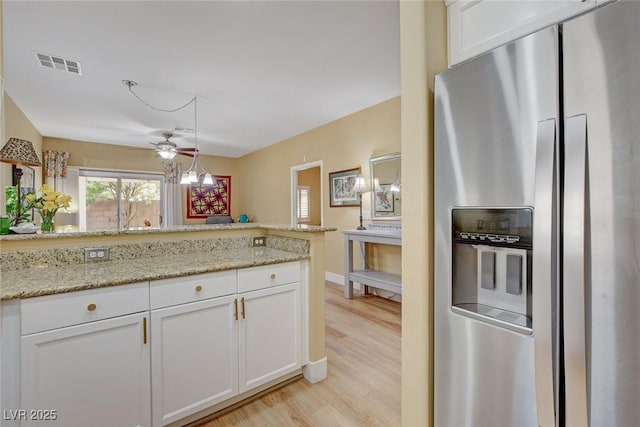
235, 308
273, 276
242, 302
92, 307
144, 330
198, 288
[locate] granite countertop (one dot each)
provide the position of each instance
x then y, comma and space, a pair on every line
175, 229
43, 280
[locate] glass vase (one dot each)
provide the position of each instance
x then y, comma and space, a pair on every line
47, 225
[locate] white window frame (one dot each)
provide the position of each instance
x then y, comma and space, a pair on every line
300, 189
119, 175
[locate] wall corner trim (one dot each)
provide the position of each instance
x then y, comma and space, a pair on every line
315, 371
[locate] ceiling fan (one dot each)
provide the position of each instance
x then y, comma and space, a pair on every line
168, 149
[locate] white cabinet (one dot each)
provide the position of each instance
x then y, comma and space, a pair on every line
477, 26
194, 344
93, 373
270, 338
177, 347
222, 336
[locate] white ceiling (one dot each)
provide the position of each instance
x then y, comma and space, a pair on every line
263, 71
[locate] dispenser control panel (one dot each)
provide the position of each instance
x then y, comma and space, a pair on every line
491, 256
493, 225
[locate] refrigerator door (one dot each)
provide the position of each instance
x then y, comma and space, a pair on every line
602, 299
489, 114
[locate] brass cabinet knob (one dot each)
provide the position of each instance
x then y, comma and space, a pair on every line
198, 288
92, 307
273, 275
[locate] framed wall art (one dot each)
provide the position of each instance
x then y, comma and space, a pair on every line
341, 188
209, 200
384, 199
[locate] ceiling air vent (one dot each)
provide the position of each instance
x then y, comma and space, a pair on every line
58, 63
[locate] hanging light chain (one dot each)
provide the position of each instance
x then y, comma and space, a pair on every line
130, 84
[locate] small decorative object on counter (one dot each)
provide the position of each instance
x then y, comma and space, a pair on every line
47, 205
4, 225
24, 228
243, 218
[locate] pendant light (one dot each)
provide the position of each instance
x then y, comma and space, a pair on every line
191, 175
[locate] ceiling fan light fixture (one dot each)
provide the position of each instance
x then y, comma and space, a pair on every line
208, 179
167, 154
184, 179
193, 176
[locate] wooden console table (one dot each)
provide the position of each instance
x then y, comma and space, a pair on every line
377, 279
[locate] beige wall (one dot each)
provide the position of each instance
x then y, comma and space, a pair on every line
423, 47
311, 178
17, 125
118, 157
1, 44
343, 144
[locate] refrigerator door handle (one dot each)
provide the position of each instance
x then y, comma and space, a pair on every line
544, 275
575, 232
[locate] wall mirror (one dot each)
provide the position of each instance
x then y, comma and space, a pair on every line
386, 200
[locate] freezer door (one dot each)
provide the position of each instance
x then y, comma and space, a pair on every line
490, 114
602, 216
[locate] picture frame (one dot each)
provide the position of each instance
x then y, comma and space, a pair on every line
384, 200
27, 185
214, 199
341, 184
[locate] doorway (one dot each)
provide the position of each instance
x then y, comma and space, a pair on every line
307, 194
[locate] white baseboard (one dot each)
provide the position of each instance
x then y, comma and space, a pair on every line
339, 279
315, 371
334, 278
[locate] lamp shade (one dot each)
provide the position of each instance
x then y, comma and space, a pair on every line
360, 185
19, 152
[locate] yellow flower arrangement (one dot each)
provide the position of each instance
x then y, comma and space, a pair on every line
47, 205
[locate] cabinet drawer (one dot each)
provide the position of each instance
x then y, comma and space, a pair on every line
254, 278
180, 290
73, 308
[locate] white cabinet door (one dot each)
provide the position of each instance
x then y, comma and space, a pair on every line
477, 26
94, 374
270, 335
195, 360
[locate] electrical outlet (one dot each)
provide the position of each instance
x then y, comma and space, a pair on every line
259, 241
96, 254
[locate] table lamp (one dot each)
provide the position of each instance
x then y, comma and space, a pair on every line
19, 152
360, 187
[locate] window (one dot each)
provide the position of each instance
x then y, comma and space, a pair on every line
303, 204
119, 201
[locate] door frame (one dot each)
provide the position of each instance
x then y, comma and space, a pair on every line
294, 186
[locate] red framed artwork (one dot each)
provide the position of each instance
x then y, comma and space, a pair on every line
209, 200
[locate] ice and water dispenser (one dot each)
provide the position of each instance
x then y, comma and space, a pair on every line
492, 251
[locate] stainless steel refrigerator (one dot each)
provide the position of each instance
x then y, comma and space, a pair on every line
537, 217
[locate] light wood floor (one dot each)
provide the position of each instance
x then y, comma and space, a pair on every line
363, 385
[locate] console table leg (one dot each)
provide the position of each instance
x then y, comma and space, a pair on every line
348, 267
